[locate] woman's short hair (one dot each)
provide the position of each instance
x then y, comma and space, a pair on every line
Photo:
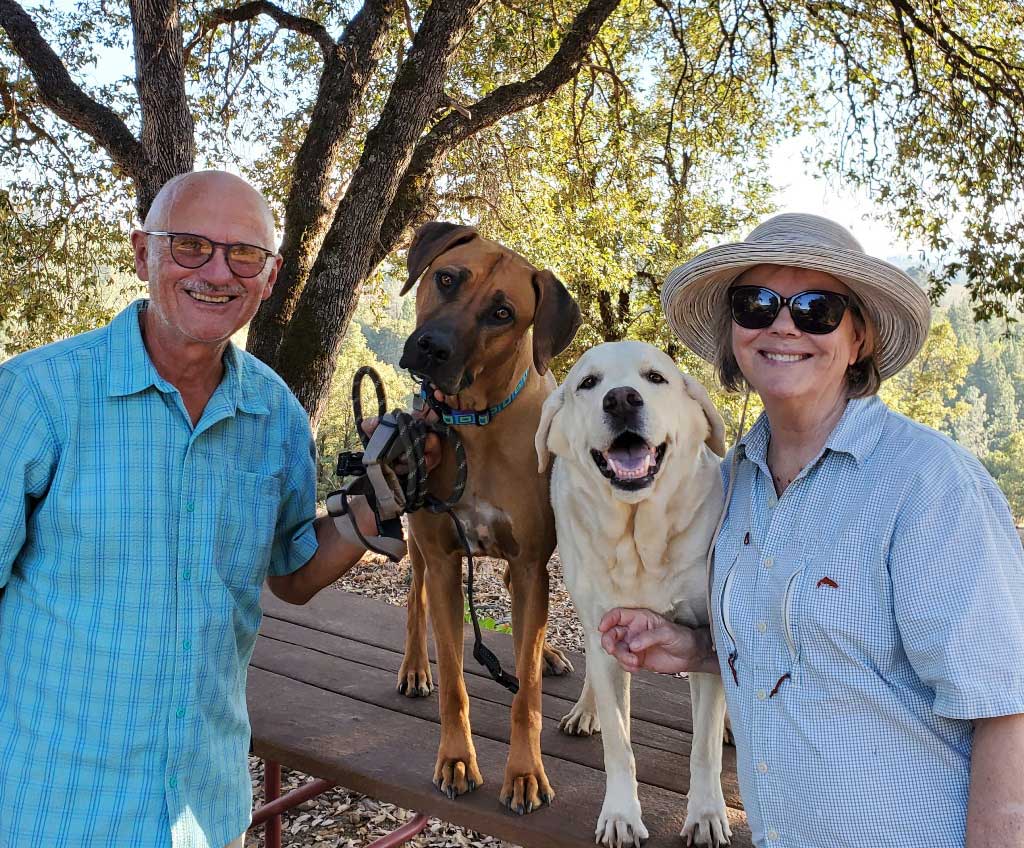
862, 378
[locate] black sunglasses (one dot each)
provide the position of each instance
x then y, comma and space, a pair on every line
814, 311
192, 251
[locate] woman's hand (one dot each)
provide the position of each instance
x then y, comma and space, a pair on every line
640, 638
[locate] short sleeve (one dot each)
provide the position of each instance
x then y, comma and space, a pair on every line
295, 536
957, 568
28, 457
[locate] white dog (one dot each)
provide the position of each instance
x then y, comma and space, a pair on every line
637, 491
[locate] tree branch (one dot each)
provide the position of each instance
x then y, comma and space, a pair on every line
253, 9
503, 101
63, 95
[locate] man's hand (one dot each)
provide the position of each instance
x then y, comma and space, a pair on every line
431, 445
640, 638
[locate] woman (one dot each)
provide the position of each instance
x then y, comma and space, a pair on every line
867, 583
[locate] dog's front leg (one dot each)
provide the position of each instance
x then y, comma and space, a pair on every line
526, 785
620, 822
556, 661
455, 772
414, 680
706, 821
582, 719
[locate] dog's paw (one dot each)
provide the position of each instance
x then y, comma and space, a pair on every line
580, 721
556, 663
525, 793
617, 828
454, 777
706, 823
415, 682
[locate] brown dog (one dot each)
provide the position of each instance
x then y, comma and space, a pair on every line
474, 310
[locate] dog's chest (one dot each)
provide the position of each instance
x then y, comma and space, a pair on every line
664, 577
488, 529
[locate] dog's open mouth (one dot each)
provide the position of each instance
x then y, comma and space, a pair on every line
630, 462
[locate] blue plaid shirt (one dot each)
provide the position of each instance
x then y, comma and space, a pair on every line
862, 620
132, 551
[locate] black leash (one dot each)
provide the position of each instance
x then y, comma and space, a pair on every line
411, 436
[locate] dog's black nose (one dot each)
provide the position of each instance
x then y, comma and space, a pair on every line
622, 400
434, 348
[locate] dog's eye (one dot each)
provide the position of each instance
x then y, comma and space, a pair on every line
502, 313
656, 378
588, 382
445, 281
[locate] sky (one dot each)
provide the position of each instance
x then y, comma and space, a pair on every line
800, 191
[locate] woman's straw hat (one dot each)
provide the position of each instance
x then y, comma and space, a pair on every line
896, 306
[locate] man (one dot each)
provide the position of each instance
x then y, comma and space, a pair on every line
156, 476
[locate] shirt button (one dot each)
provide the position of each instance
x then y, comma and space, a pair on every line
186, 645
180, 712
190, 506
186, 574
173, 783
761, 694
762, 626
772, 835
763, 768
768, 562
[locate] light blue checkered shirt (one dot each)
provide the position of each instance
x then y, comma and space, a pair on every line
869, 613
132, 548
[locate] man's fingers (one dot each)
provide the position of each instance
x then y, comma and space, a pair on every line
369, 425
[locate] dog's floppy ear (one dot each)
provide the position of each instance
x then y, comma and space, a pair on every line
551, 407
430, 241
556, 320
716, 426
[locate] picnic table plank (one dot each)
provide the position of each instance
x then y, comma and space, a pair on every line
479, 686
383, 625
662, 768
387, 755
323, 699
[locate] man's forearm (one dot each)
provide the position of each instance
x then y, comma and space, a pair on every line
995, 808
333, 558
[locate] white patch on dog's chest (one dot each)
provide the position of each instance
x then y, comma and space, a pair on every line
488, 530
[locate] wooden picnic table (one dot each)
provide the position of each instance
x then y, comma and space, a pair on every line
322, 700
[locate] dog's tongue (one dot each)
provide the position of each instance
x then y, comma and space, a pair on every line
630, 463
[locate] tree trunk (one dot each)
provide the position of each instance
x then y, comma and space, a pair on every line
347, 70
168, 131
367, 234
313, 336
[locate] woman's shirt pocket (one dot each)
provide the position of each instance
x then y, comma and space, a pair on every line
837, 611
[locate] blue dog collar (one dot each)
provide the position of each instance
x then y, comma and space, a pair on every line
471, 416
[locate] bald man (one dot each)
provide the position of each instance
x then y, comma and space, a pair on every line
156, 476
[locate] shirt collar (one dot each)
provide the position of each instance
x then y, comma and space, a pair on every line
856, 434
132, 371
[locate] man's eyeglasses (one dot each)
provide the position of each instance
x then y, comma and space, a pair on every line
816, 312
192, 251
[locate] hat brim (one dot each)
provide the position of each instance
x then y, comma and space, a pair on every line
897, 308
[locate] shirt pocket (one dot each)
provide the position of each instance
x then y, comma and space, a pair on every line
245, 515
787, 582
840, 610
